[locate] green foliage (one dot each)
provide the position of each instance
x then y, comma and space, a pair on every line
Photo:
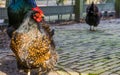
117, 8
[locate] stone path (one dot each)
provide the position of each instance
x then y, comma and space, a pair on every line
90, 52
81, 52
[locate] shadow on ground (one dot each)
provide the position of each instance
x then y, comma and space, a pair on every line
8, 67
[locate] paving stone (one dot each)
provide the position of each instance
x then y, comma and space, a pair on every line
88, 72
115, 69
114, 74
74, 73
106, 73
62, 73
106, 69
65, 60
104, 65
84, 69
2, 56
74, 66
2, 73
70, 61
53, 73
118, 72
85, 66
99, 71
99, 64
84, 73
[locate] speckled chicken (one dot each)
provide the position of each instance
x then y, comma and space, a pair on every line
33, 45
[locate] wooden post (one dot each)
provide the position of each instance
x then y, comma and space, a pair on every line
81, 8
7, 2
78, 9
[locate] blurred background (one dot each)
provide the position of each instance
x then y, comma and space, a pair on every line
65, 10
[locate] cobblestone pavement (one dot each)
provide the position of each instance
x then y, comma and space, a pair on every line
81, 52
85, 51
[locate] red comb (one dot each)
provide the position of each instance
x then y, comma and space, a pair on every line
39, 15
38, 10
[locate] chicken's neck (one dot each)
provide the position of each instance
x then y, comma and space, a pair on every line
27, 24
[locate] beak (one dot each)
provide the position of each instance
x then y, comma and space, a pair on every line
42, 15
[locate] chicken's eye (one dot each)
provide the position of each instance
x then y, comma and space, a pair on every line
37, 15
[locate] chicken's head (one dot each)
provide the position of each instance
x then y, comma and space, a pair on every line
38, 15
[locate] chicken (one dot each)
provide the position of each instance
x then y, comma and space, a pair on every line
31, 38
16, 12
33, 45
92, 16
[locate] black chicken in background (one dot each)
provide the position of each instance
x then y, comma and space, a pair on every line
92, 16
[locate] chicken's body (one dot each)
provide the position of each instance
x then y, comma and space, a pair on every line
93, 16
33, 46
31, 39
